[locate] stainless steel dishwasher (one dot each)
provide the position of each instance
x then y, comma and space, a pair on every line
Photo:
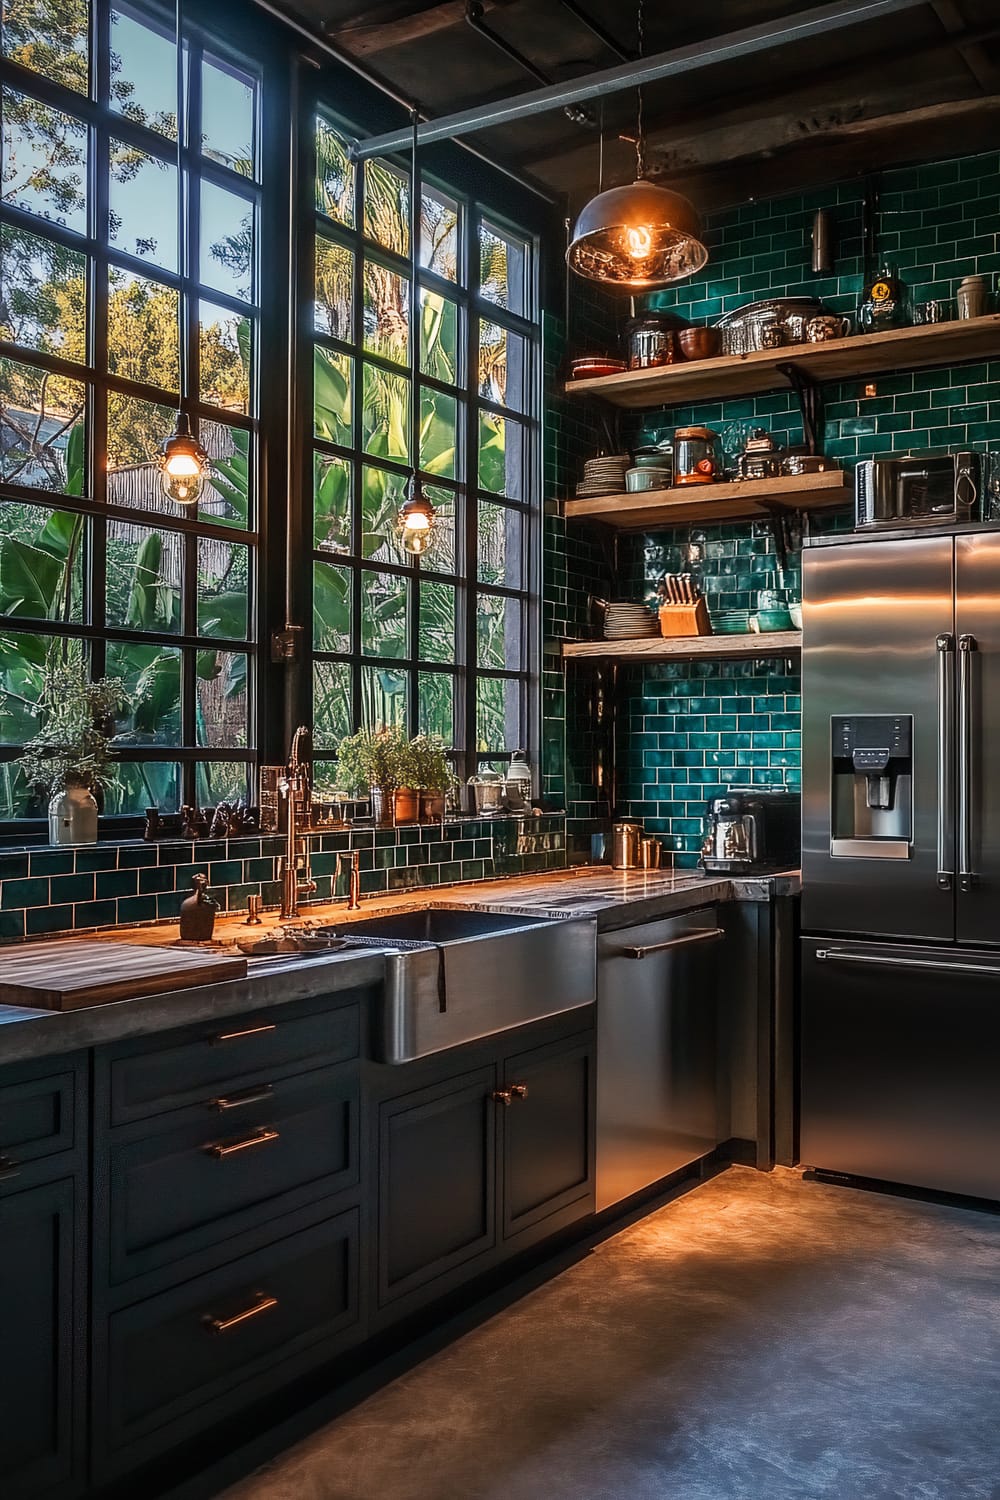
656, 1053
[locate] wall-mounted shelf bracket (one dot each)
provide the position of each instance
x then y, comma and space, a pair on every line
810, 398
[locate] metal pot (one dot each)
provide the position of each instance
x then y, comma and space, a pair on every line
626, 845
649, 342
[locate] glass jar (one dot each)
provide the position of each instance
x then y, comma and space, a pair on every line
486, 789
696, 458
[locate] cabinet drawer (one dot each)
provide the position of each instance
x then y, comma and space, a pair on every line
199, 1181
176, 1361
148, 1079
38, 1113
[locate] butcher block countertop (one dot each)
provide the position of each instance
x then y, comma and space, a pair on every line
614, 897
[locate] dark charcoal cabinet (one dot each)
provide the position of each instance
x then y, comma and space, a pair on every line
547, 1131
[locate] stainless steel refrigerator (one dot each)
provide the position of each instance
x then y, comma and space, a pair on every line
900, 984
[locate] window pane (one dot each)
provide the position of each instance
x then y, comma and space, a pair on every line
498, 714
332, 713
335, 175
498, 632
142, 206
143, 73
387, 206
226, 356
137, 431
438, 434
503, 366
226, 498
332, 396
145, 572
228, 116
439, 351
144, 784
442, 553
221, 706
331, 503
334, 304
438, 232
41, 562
503, 263
437, 621
502, 455
383, 697
43, 294
151, 712
382, 494
41, 429
500, 544
387, 313
223, 588
331, 607
437, 705
44, 161
25, 662
228, 249
49, 38
223, 781
385, 425
143, 330
383, 614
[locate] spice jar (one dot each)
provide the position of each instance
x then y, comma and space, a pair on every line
695, 456
649, 342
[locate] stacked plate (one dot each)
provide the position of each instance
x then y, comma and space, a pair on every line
626, 620
603, 476
731, 622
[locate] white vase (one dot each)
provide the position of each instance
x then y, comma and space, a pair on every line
73, 816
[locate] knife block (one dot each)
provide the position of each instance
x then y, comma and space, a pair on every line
685, 619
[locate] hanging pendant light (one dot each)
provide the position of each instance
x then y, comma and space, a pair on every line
640, 236
185, 464
415, 519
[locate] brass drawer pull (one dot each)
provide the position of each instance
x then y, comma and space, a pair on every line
259, 1138
236, 1036
519, 1091
263, 1304
8, 1169
502, 1096
237, 1101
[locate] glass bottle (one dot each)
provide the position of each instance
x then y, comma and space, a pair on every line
883, 302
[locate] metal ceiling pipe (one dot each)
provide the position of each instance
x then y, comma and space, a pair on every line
727, 48
596, 29
474, 18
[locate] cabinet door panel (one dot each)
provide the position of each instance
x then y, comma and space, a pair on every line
437, 1182
548, 1133
37, 1335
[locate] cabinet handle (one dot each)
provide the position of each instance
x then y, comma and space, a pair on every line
263, 1304
236, 1036
237, 1101
704, 935
502, 1096
8, 1169
259, 1138
519, 1090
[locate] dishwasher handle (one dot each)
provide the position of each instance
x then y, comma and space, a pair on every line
703, 935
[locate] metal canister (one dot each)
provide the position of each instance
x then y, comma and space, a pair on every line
626, 845
650, 853
650, 342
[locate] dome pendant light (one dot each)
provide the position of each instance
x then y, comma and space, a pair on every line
185, 464
415, 519
640, 236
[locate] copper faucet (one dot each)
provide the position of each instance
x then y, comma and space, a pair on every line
350, 859
296, 876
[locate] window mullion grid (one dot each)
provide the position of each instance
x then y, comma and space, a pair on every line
465, 697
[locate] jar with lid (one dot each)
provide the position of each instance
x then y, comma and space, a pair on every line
649, 341
696, 459
973, 297
518, 783
486, 793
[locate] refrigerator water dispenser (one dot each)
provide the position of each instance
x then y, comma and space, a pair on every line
871, 797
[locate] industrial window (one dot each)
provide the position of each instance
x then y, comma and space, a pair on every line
108, 313
441, 644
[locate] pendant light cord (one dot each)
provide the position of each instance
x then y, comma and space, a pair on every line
640, 134
415, 300
182, 238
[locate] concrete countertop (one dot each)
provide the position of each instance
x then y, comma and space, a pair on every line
615, 898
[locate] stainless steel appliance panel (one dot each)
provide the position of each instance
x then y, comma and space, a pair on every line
977, 627
656, 1053
900, 1064
872, 615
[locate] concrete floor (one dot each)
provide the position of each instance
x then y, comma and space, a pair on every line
762, 1337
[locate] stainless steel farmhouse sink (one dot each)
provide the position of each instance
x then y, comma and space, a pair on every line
452, 974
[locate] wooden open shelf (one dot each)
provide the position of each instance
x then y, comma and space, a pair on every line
740, 501
839, 359
690, 647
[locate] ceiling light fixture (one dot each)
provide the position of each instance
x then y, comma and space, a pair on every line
185, 464
415, 519
640, 236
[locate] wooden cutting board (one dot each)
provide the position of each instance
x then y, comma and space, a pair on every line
68, 975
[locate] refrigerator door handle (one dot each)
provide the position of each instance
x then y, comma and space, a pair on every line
939, 965
945, 762
966, 774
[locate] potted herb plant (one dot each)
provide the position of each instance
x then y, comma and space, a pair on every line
376, 763
70, 757
431, 774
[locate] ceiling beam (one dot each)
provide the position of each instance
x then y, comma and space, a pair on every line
734, 45
973, 54
366, 36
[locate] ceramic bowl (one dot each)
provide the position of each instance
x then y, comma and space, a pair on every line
773, 619
698, 343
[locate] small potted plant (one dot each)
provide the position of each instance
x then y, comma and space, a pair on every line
70, 757
375, 762
431, 774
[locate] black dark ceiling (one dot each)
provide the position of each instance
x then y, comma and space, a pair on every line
922, 83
